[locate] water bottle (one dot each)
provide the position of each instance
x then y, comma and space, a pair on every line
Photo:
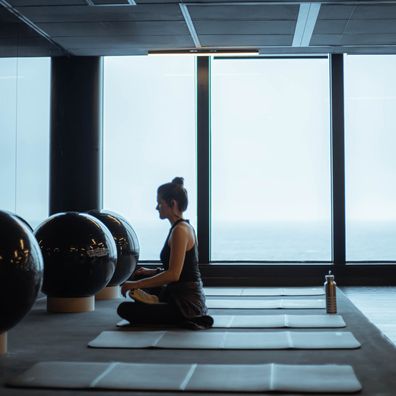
330, 289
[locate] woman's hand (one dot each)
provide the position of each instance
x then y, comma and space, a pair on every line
128, 286
143, 271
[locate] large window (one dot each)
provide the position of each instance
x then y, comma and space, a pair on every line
370, 102
24, 137
270, 160
149, 138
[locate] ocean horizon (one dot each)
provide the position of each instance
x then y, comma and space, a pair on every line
284, 241
279, 241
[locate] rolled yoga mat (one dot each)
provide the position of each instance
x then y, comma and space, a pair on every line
190, 377
277, 303
225, 340
266, 321
264, 291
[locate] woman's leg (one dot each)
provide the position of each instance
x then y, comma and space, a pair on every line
140, 313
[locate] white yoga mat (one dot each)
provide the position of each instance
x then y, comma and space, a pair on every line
276, 321
268, 321
264, 291
225, 340
276, 303
190, 377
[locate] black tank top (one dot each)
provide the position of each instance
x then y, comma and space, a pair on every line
190, 271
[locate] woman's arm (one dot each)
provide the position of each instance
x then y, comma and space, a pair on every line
143, 271
178, 247
154, 281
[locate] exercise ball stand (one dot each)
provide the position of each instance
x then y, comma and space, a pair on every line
3, 343
108, 293
70, 304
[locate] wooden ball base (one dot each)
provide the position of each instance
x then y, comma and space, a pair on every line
108, 293
3, 343
70, 305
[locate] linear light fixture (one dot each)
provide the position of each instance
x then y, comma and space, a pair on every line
207, 52
307, 17
190, 25
104, 3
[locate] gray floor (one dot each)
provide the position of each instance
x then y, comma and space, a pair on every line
379, 306
43, 337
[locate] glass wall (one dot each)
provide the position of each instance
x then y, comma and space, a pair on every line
24, 137
149, 138
270, 160
8, 108
270, 156
370, 124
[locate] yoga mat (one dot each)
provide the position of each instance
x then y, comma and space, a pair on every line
329, 378
280, 303
371, 363
225, 340
264, 291
276, 321
267, 321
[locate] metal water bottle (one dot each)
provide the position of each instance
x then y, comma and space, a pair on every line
330, 289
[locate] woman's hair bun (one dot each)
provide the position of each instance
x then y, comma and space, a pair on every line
179, 181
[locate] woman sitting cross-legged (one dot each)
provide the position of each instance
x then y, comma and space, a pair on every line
181, 299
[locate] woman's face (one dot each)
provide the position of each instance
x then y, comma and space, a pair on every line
162, 207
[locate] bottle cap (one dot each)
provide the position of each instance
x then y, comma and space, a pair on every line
330, 276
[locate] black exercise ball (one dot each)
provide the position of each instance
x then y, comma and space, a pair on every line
79, 255
24, 221
21, 270
126, 242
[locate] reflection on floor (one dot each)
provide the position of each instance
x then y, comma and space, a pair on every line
378, 304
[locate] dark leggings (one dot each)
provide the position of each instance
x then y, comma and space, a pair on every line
140, 313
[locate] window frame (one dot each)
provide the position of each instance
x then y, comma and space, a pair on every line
227, 273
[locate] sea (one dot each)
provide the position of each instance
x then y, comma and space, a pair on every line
366, 241
285, 241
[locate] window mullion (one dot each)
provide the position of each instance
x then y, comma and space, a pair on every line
203, 158
337, 157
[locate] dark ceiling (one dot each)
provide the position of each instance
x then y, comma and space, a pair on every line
115, 27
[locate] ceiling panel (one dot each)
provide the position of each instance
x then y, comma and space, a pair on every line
374, 26
245, 40
353, 39
358, 11
375, 11
326, 39
123, 28
361, 25
150, 42
368, 39
16, 47
245, 12
323, 50
333, 11
108, 51
241, 27
330, 27
244, 25
37, 3
18, 39
159, 24
112, 2
227, 2
6, 16
16, 30
161, 12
